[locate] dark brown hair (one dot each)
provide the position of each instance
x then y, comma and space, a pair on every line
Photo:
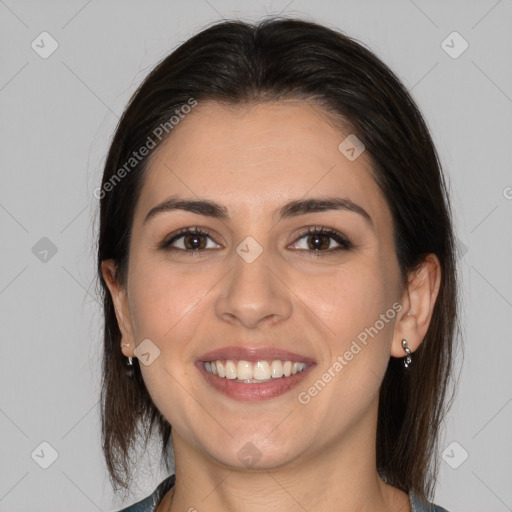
235, 62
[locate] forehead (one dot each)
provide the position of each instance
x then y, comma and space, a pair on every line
268, 152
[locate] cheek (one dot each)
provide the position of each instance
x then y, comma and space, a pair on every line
161, 298
166, 308
349, 301
357, 307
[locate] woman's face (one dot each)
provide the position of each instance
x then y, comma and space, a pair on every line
257, 280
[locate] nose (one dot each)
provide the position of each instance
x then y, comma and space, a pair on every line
254, 293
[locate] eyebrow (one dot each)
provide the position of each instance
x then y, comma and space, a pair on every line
291, 209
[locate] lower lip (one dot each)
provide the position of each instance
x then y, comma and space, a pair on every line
254, 391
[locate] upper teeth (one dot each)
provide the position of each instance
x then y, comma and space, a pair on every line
259, 370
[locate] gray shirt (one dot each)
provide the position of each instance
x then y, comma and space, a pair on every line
152, 501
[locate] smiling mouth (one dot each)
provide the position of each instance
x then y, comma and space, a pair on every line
250, 372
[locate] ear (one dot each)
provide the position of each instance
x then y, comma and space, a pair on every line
120, 300
418, 300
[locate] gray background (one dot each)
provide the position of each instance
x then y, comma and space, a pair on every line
58, 115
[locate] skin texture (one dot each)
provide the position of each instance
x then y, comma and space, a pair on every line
253, 159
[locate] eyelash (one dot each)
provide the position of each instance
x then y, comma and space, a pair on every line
344, 243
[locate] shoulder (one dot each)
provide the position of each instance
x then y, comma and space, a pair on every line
420, 505
150, 503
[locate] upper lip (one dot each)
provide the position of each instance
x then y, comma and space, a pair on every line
254, 354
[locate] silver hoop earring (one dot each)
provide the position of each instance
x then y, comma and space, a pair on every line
129, 368
408, 357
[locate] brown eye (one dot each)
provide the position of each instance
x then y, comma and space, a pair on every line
318, 241
322, 239
189, 240
194, 241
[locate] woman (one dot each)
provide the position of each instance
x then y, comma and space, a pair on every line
277, 260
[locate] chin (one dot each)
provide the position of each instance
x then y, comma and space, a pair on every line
243, 453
